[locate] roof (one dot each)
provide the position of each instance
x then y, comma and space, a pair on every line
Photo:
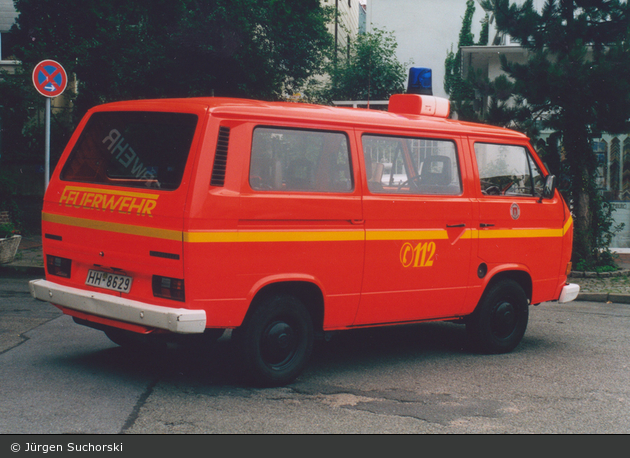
319, 115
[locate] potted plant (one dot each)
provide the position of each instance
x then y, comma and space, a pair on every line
9, 242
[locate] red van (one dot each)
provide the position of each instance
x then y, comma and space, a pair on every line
284, 221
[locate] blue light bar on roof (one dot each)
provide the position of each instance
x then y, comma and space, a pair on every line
420, 81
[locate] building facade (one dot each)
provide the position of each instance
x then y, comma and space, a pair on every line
345, 24
7, 18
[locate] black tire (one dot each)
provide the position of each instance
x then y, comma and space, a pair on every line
275, 341
500, 320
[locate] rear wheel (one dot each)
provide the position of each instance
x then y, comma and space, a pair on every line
500, 320
276, 341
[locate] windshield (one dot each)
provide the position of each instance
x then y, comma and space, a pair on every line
137, 149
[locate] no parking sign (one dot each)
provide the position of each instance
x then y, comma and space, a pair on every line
50, 80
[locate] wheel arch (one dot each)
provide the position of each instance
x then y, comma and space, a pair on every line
522, 277
307, 292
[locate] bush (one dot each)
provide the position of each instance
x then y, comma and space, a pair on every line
7, 230
9, 204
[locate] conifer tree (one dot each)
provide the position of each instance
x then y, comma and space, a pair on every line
576, 81
459, 90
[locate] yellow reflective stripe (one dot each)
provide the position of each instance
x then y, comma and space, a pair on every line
520, 233
567, 225
118, 228
525, 233
300, 236
398, 234
277, 236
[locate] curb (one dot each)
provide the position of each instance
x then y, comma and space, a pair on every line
584, 274
604, 297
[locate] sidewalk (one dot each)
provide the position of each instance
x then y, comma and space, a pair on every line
605, 287
29, 258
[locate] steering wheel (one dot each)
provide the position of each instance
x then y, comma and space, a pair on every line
413, 183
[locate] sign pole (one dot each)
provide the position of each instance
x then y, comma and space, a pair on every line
47, 147
50, 80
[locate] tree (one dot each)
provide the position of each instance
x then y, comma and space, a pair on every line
576, 82
120, 50
372, 72
171, 48
461, 91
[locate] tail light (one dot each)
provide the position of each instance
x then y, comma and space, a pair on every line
168, 288
58, 266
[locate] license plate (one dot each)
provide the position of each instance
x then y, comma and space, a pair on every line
108, 280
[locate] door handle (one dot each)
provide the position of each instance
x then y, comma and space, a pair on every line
485, 225
456, 225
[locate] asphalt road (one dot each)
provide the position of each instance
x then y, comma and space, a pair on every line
570, 375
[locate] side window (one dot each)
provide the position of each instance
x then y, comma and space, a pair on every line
300, 160
507, 170
403, 165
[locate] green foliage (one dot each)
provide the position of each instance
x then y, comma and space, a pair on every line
7, 230
575, 82
120, 50
175, 48
462, 91
372, 72
9, 204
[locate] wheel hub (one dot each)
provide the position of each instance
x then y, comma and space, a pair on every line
278, 343
504, 319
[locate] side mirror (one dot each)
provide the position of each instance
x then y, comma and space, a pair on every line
550, 187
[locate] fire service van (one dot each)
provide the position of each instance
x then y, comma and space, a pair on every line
282, 222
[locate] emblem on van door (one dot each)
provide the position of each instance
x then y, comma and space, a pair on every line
419, 256
515, 211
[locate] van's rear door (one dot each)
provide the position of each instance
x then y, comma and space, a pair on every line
113, 212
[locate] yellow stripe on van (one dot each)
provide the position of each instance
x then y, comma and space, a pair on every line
130, 229
299, 236
567, 225
520, 233
525, 233
397, 234
277, 236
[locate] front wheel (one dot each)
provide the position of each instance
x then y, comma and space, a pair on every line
499, 321
276, 341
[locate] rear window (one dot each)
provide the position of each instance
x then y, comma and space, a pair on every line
137, 149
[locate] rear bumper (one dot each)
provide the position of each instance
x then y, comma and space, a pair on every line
183, 321
569, 292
